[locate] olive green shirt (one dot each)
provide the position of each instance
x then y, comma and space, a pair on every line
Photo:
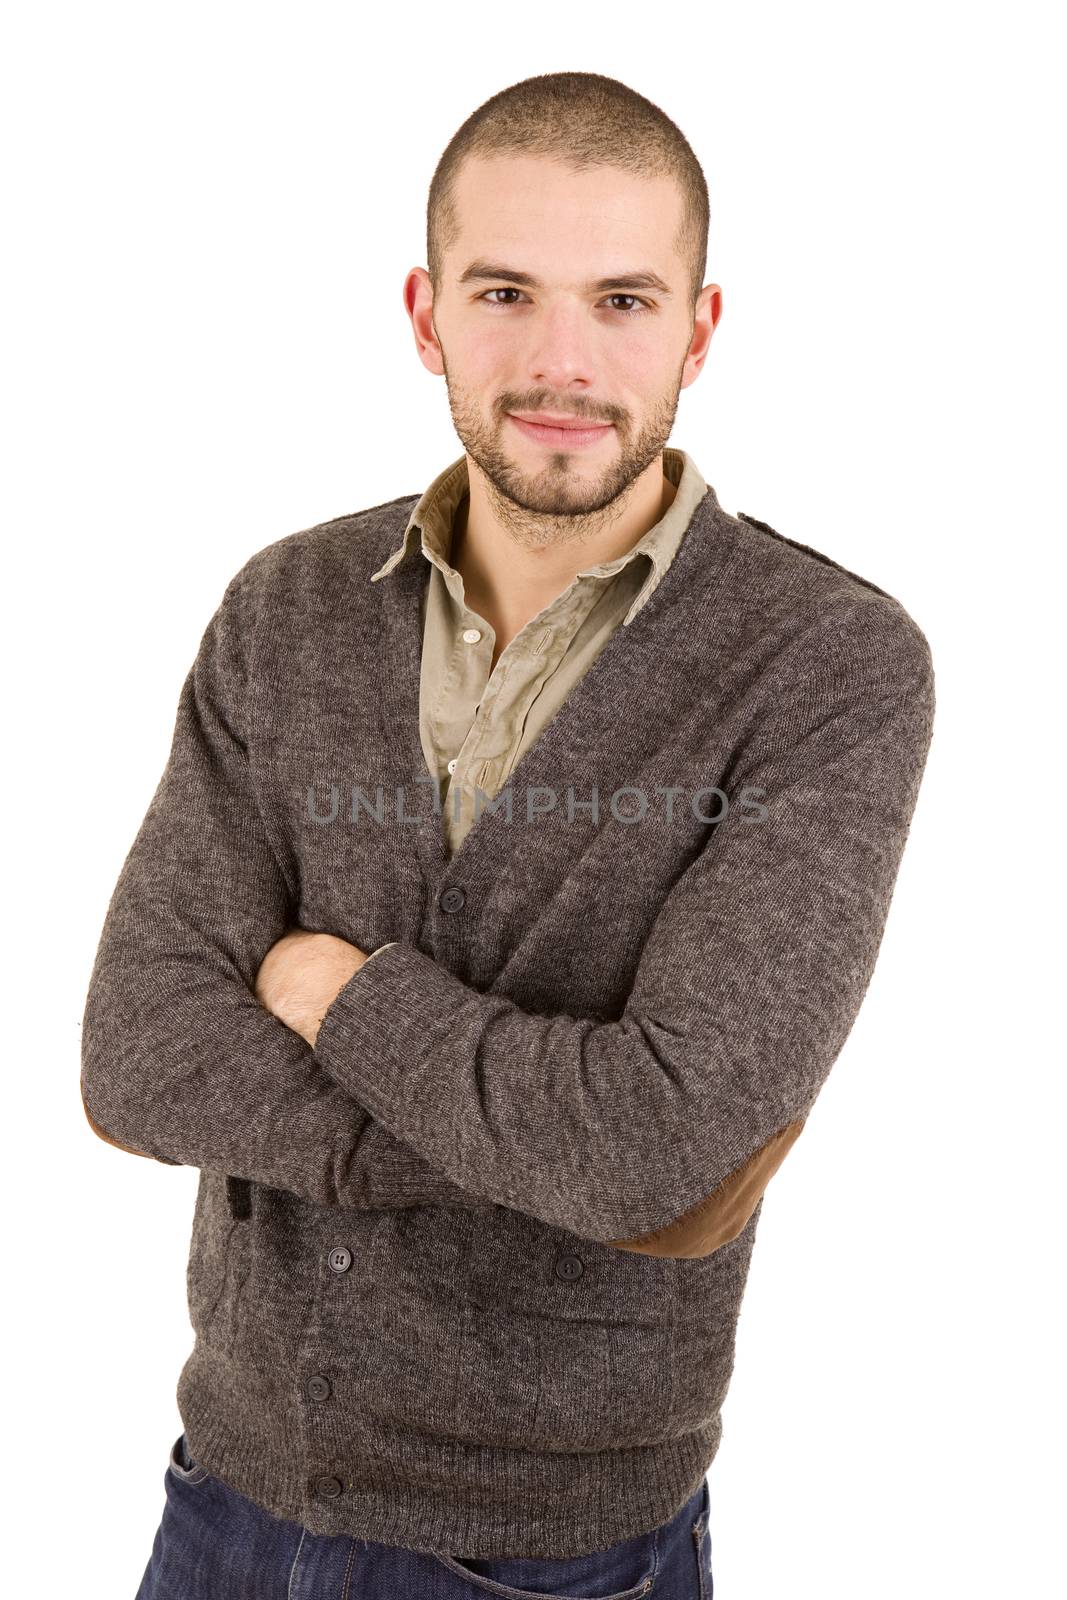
475, 722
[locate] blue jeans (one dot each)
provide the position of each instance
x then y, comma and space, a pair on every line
215, 1544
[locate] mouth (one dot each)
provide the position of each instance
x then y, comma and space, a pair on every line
559, 437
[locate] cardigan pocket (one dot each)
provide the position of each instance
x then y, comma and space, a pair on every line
707, 1292
568, 1343
213, 1274
494, 1328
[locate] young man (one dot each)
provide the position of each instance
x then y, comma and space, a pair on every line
515, 879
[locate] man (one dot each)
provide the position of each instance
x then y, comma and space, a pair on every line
518, 871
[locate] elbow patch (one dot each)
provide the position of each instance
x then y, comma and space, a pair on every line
101, 1134
716, 1220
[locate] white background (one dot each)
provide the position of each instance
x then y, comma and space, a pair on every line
210, 213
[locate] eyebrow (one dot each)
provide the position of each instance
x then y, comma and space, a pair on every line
479, 271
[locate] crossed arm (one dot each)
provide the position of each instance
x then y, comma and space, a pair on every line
217, 1036
180, 1060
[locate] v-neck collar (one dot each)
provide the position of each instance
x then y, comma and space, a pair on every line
575, 733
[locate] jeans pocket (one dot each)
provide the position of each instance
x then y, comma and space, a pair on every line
626, 1571
181, 1464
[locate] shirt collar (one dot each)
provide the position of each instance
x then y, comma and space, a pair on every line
430, 525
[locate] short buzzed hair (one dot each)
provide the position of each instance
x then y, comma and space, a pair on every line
582, 120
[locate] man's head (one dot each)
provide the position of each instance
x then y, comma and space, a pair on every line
544, 207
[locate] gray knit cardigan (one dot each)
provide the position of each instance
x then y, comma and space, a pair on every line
466, 1276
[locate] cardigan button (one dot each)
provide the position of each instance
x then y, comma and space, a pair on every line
318, 1387
329, 1487
569, 1268
453, 899
339, 1258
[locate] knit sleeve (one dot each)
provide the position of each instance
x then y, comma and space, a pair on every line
179, 1061
659, 1131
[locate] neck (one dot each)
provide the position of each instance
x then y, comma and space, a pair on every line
508, 582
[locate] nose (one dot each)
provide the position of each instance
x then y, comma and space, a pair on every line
561, 355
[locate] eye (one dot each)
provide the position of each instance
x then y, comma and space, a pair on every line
638, 309
499, 303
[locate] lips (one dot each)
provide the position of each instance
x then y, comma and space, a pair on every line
559, 436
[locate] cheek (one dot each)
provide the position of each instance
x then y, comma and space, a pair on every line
490, 351
637, 364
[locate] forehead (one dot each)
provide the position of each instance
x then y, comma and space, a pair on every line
513, 206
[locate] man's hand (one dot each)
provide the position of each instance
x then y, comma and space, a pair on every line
301, 975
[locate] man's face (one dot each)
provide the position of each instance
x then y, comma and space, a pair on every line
560, 345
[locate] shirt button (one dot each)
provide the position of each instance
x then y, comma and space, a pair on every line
453, 764
329, 1487
452, 900
318, 1387
471, 635
340, 1259
569, 1268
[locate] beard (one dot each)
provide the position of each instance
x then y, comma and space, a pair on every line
565, 498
